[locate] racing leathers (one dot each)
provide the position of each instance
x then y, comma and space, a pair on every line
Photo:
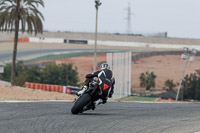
106, 82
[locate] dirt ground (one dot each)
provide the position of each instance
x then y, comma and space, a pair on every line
164, 67
20, 93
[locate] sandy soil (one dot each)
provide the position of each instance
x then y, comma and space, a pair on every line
20, 93
164, 67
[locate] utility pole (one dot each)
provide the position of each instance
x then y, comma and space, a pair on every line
182, 77
97, 4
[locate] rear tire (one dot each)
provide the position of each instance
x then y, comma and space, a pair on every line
80, 103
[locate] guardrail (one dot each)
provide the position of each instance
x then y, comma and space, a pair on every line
52, 88
23, 39
157, 53
56, 40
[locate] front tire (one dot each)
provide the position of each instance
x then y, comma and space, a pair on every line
80, 103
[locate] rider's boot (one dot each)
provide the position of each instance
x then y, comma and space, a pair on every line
97, 102
84, 88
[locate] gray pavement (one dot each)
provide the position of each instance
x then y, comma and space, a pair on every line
113, 117
6, 56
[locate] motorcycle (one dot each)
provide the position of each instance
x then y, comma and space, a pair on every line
85, 101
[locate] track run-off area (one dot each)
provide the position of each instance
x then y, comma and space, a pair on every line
112, 117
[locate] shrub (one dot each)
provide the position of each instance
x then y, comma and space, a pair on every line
191, 86
63, 74
169, 84
168, 94
147, 80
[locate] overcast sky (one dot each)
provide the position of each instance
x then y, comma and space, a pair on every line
180, 18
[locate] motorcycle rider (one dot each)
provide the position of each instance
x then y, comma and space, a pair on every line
106, 83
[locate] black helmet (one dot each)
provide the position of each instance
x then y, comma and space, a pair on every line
105, 66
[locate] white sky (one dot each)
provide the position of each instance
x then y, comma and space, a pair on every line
180, 18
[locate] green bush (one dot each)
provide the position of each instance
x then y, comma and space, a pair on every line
168, 94
169, 84
64, 74
190, 88
147, 80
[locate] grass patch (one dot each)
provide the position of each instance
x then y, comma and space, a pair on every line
136, 98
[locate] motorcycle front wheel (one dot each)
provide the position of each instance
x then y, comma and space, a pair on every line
80, 103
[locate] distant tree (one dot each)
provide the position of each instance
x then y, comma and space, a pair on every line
16, 14
7, 72
191, 86
170, 84
64, 74
147, 80
23, 73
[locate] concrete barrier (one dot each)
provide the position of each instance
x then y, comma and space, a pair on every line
71, 89
46, 40
144, 45
22, 39
78, 41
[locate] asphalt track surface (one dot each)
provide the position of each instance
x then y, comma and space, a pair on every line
29, 54
113, 117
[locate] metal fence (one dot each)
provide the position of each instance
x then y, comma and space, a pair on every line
121, 66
